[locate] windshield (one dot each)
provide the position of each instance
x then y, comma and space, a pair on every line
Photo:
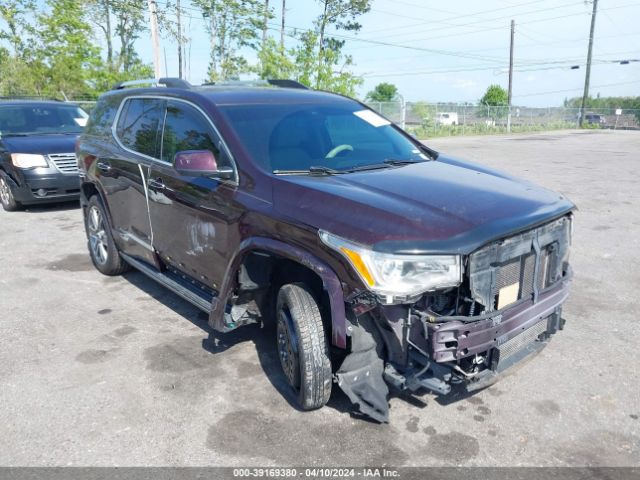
339, 137
39, 119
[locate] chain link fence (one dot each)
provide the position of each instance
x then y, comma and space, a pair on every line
438, 119
444, 119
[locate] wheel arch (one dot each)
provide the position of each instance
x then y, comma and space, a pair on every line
285, 262
88, 190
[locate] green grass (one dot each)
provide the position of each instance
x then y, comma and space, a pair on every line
481, 129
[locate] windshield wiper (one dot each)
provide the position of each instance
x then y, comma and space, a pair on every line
398, 163
389, 162
313, 170
320, 170
14, 134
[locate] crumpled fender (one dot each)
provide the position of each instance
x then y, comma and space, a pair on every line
361, 374
330, 282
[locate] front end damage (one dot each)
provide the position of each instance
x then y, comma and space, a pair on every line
506, 308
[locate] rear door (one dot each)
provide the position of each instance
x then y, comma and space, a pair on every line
190, 216
123, 173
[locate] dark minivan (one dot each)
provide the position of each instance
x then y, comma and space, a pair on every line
37, 152
380, 261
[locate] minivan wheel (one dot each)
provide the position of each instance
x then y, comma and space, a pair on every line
302, 346
9, 203
102, 249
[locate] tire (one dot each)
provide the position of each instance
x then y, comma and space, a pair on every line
9, 202
102, 248
302, 346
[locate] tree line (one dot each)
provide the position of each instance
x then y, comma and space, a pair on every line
80, 48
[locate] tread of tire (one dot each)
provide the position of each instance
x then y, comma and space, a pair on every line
315, 370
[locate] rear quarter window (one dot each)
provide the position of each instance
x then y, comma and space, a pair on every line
138, 123
101, 118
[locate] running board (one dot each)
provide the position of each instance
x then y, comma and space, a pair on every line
199, 299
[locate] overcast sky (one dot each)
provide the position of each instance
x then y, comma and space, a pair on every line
451, 51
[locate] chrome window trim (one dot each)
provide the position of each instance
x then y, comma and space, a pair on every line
234, 182
114, 127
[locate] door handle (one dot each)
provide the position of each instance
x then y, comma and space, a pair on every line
156, 184
104, 166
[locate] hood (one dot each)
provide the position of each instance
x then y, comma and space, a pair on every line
443, 206
42, 144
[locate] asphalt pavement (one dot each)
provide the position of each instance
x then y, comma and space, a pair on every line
100, 371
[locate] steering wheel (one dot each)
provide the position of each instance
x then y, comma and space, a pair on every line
340, 148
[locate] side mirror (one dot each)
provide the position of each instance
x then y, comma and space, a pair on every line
200, 163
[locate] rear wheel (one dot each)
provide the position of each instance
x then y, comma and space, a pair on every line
102, 248
9, 203
302, 346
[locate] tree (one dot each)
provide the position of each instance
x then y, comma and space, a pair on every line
608, 104
275, 61
301, 63
494, 103
383, 92
65, 47
341, 14
18, 66
125, 18
15, 14
232, 25
495, 96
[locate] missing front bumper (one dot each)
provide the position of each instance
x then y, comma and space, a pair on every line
389, 345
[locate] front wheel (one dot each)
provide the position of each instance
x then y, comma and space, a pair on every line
9, 203
302, 346
102, 248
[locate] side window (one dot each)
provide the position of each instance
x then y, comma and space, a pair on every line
137, 126
185, 128
101, 117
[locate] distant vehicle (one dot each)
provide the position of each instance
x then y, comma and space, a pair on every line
595, 119
447, 118
37, 159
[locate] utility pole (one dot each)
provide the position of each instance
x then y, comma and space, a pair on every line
178, 18
588, 73
513, 28
284, 8
155, 41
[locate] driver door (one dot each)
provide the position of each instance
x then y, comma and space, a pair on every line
190, 215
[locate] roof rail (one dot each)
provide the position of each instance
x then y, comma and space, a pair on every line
284, 83
168, 82
281, 83
236, 83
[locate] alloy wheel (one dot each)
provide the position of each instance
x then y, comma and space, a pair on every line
5, 193
288, 347
97, 236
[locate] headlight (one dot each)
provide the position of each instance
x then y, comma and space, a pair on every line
28, 160
391, 275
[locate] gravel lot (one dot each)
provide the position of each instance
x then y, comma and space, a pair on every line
117, 371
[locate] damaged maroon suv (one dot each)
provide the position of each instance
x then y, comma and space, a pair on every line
381, 262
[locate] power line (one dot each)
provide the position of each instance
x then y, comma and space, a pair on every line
458, 16
476, 68
422, 39
518, 14
578, 89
